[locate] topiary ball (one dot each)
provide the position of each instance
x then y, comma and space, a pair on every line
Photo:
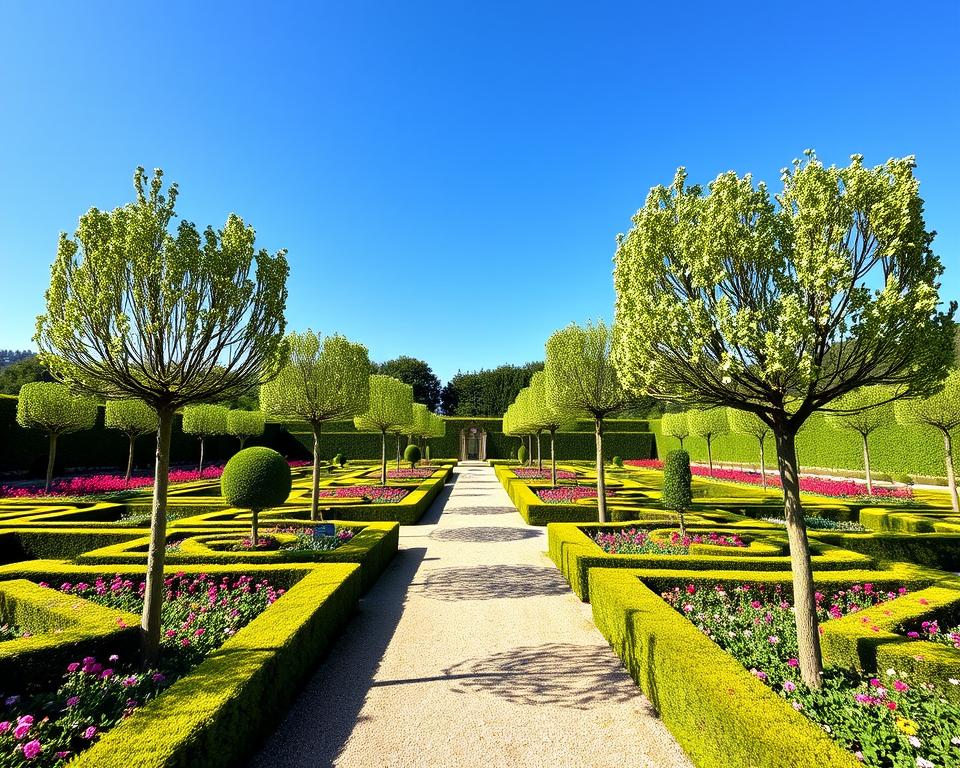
412, 454
522, 454
617, 461
256, 478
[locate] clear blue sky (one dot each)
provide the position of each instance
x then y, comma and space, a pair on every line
449, 177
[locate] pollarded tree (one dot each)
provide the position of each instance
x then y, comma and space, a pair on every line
205, 420
418, 426
325, 379
438, 428
778, 307
857, 411
245, 424
132, 417
748, 423
390, 410
550, 417
675, 425
708, 424
54, 409
135, 310
581, 380
942, 412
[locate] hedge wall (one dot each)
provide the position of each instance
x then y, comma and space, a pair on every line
26, 449
893, 449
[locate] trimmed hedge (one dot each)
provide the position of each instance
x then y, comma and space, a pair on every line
217, 714
35, 543
935, 550
64, 628
719, 713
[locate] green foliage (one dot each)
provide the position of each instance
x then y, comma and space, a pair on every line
744, 423
486, 392
256, 478
205, 419
54, 409
244, 424
522, 453
940, 411
132, 417
15, 375
858, 411
708, 423
675, 425
580, 377
390, 406
617, 461
416, 373
412, 454
677, 481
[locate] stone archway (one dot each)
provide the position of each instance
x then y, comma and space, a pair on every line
473, 443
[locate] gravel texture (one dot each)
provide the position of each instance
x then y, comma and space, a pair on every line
471, 651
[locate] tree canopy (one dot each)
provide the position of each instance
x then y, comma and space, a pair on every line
390, 410
486, 392
416, 373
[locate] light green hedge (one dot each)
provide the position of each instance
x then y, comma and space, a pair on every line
719, 713
894, 449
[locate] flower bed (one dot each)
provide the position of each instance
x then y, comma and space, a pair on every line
633, 541
198, 615
528, 473
410, 473
815, 523
930, 630
818, 485
568, 494
884, 721
374, 494
290, 539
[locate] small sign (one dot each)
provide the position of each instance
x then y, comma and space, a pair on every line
324, 529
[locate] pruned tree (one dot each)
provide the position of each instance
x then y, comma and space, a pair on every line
324, 379
942, 412
390, 410
582, 381
780, 306
171, 318
438, 428
245, 424
675, 425
857, 411
748, 423
677, 492
550, 417
709, 424
54, 409
205, 420
132, 417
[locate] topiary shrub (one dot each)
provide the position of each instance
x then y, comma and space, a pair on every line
412, 454
341, 460
522, 454
617, 461
256, 478
677, 480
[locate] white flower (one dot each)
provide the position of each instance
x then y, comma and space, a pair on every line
955, 741
924, 763
892, 672
953, 681
915, 742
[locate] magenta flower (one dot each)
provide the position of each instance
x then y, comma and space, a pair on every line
31, 749
90, 732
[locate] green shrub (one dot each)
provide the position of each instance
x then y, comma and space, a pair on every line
412, 454
256, 479
522, 454
617, 461
677, 484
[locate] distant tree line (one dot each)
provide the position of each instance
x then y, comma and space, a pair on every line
486, 392
8, 356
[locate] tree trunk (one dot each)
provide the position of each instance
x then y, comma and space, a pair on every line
133, 440
153, 593
202, 441
398, 450
681, 442
50, 459
710, 455
254, 533
601, 480
539, 457
683, 526
243, 441
553, 459
315, 480
951, 477
804, 600
866, 465
383, 457
763, 467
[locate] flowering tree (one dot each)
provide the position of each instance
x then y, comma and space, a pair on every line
57, 411
171, 318
390, 410
205, 420
748, 423
132, 417
942, 412
675, 425
245, 424
708, 424
581, 380
857, 411
325, 378
778, 307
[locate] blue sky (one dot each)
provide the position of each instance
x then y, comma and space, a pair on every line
448, 178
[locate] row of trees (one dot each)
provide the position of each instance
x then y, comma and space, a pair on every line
486, 392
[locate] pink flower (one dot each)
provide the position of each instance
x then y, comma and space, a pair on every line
131, 680
90, 732
21, 730
789, 686
31, 749
793, 663
4, 726
73, 701
900, 686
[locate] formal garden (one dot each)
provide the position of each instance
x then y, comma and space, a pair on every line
748, 476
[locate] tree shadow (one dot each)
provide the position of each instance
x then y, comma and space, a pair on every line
481, 511
557, 674
493, 582
484, 534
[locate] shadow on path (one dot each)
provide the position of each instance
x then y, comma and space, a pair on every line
482, 511
484, 534
492, 582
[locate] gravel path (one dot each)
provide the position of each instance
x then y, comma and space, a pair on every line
471, 651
